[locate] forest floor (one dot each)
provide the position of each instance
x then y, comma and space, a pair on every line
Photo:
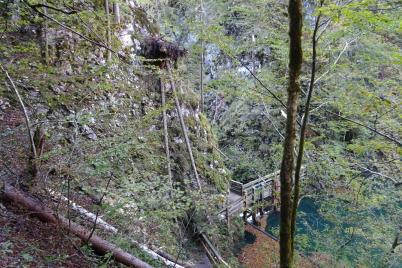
264, 251
25, 241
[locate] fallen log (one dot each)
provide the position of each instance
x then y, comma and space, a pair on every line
152, 250
83, 212
44, 213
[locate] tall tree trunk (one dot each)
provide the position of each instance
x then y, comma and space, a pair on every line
27, 122
202, 59
116, 11
108, 30
165, 131
286, 173
46, 39
202, 78
15, 12
183, 127
303, 130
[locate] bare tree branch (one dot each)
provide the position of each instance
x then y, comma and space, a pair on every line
94, 42
97, 211
36, 6
24, 110
272, 122
387, 136
395, 182
336, 60
183, 126
258, 80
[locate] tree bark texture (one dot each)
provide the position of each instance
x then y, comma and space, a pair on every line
286, 173
303, 130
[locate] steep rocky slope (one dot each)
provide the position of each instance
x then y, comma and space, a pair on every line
99, 131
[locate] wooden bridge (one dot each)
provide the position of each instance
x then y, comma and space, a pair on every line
243, 197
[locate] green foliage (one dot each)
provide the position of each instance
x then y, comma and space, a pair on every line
358, 75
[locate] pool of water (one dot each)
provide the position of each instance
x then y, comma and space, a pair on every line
308, 219
315, 233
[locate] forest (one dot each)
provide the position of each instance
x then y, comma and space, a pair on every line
201, 133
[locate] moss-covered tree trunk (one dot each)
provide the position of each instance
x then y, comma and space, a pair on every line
286, 174
303, 128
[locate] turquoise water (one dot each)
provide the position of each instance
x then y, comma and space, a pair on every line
315, 233
308, 219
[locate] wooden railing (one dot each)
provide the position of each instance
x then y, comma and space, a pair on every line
250, 193
259, 189
212, 252
233, 208
236, 187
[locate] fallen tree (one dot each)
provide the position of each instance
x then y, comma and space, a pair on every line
45, 214
95, 219
83, 212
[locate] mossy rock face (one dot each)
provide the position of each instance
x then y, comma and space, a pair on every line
160, 51
140, 16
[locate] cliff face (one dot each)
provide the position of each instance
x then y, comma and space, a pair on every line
99, 124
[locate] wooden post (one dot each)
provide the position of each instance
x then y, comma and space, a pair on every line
262, 192
244, 199
254, 217
253, 195
245, 215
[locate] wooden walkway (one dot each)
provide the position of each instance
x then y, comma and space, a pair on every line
243, 197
